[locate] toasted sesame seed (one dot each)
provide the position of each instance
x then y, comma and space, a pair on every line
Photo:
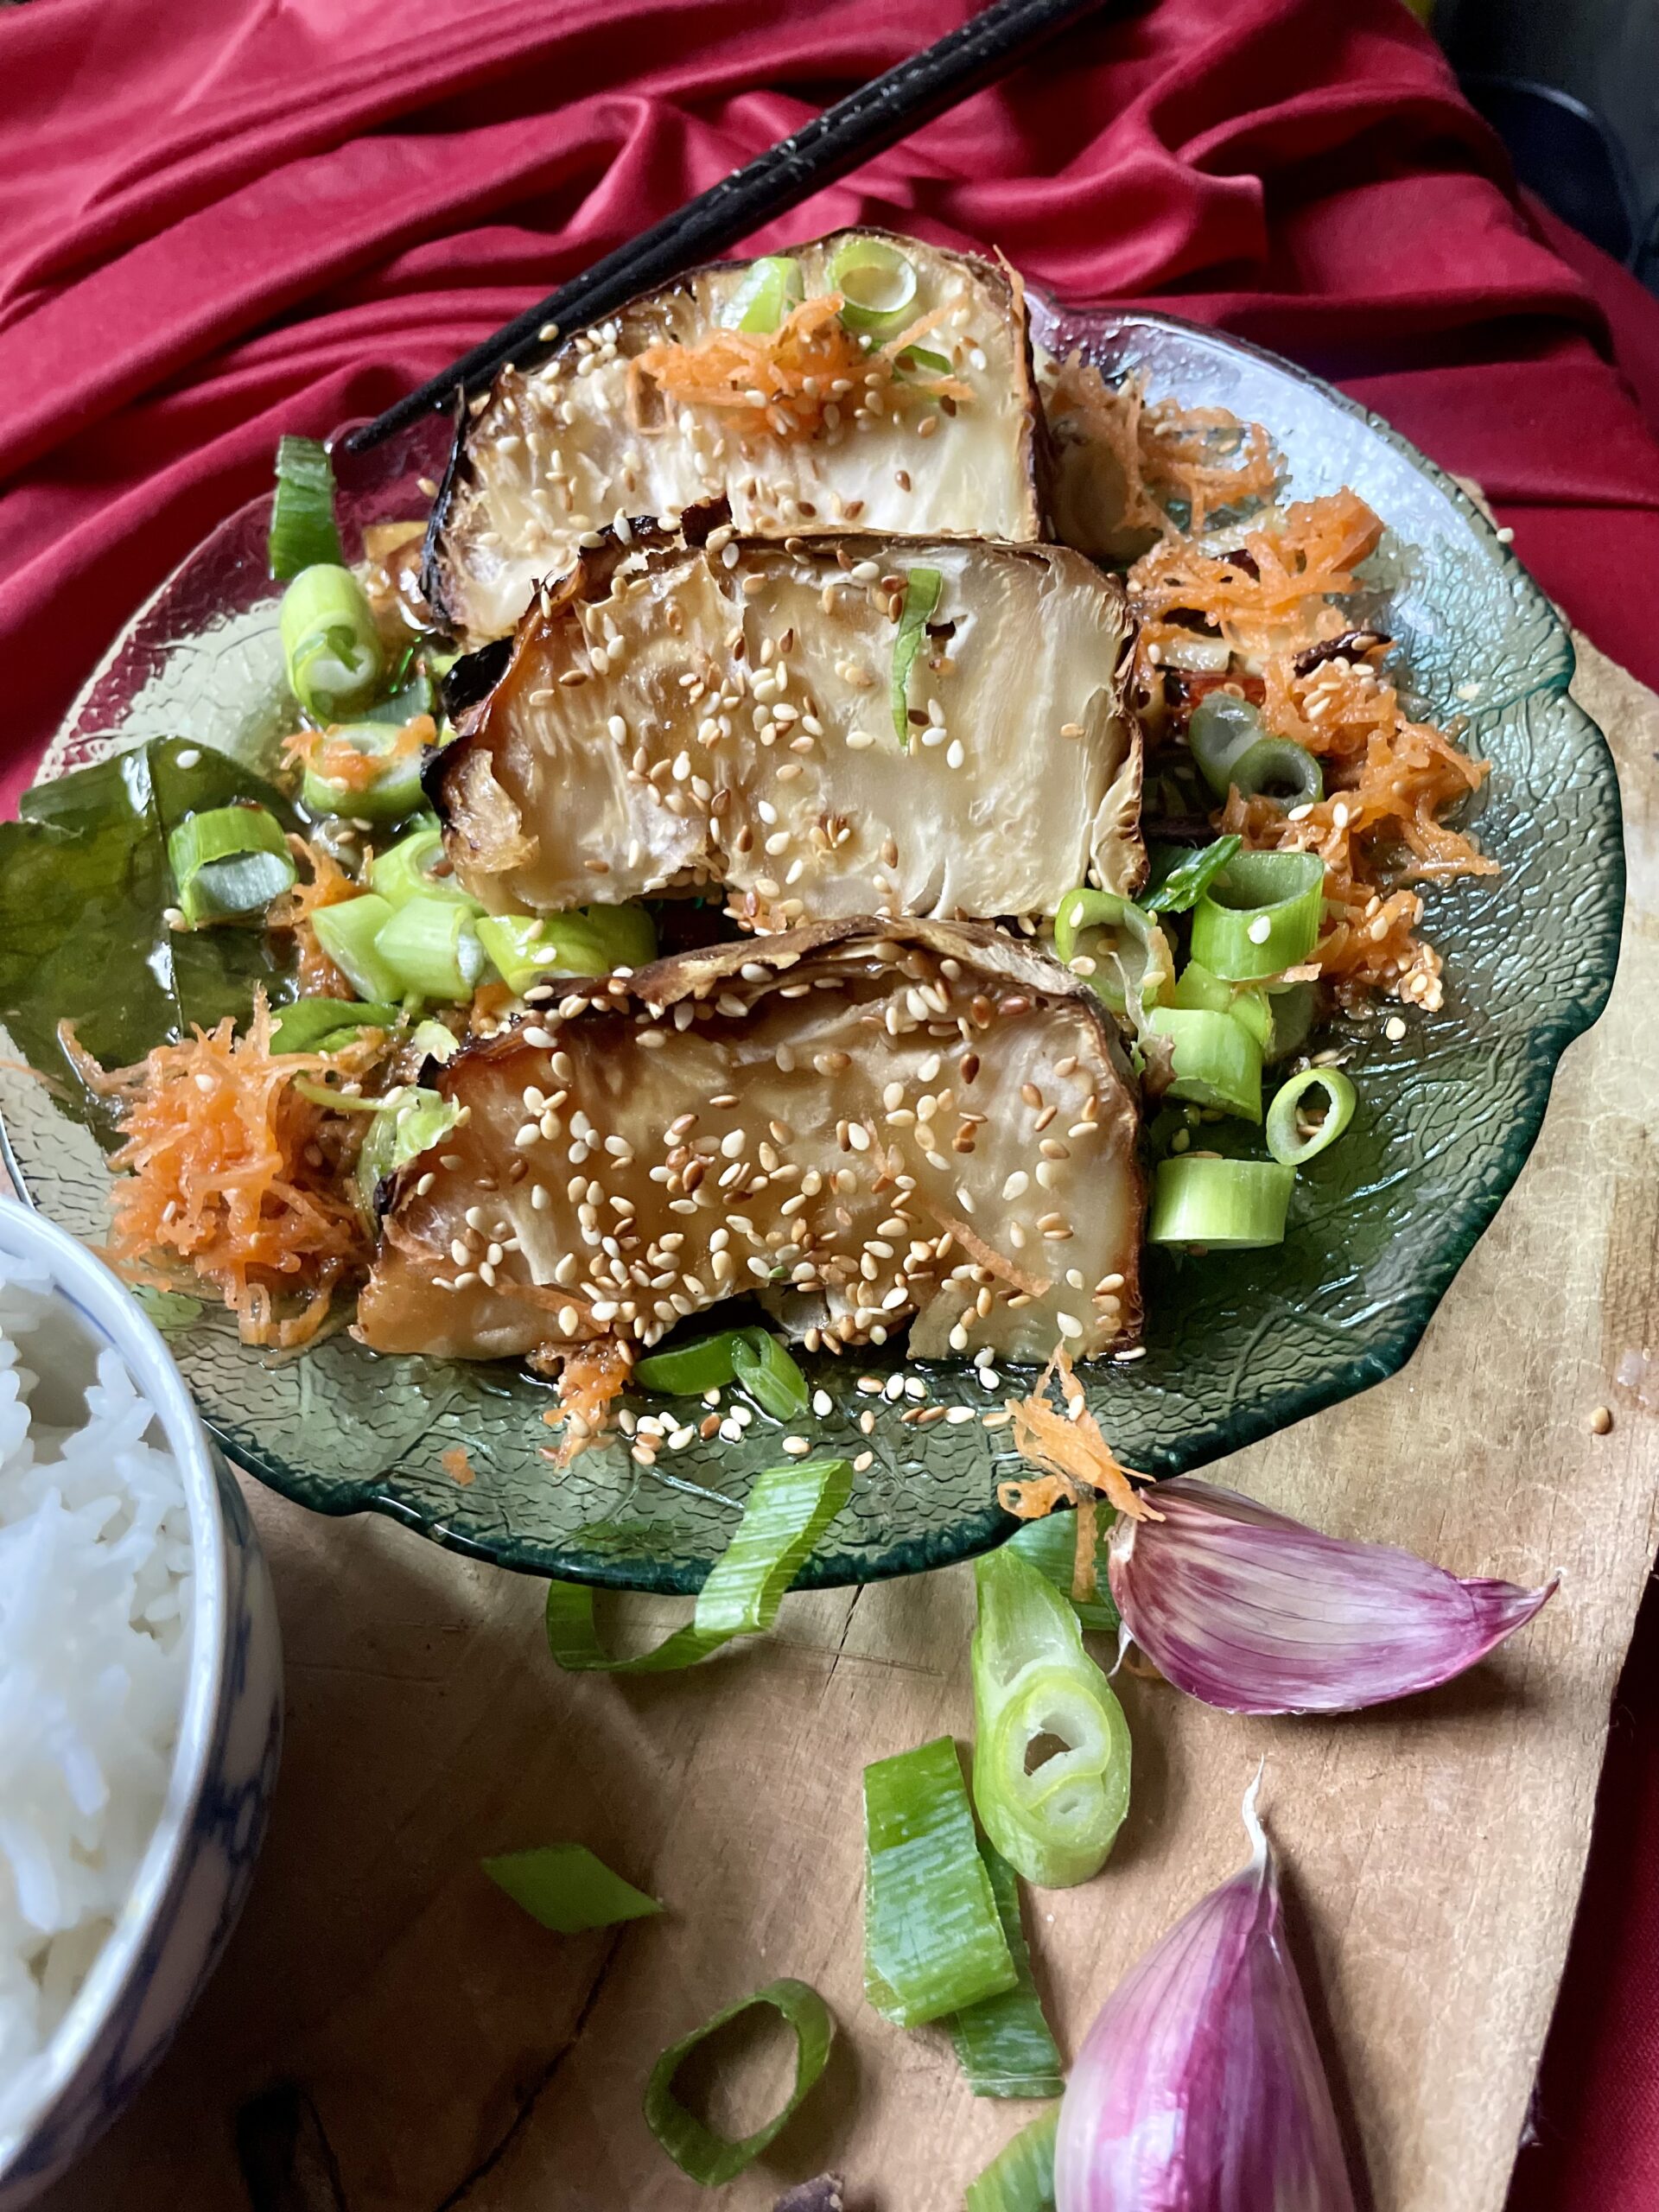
796, 1447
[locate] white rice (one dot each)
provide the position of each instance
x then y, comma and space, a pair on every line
95, 1601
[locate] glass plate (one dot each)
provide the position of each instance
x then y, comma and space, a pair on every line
1238, 1346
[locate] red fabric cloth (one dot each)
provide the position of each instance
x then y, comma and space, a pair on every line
239, 217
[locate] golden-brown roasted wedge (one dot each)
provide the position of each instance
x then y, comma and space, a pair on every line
927, 425
862, 1124
676, 715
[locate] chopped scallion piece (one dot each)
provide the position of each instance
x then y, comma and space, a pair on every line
1050, 1545
1216, 1059
418, 866
1180, 884
922, 590
933, 1940
752, 1358
228, 863
567, 1889
771, 289
348, 932
1220, 1205
1034, 1684
1003, 2042
711, 2159
789, 1509
877, 285
335, 661
1260, 916
585, 941
1221, 730
1277, 769
317, 1025
303, 533
917, 357
431, 946
375, 772
1133, 968
418, 695
1021, 2177
1286, 1140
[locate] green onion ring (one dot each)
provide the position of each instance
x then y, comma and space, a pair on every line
1276, 762
1216, 1059
1221, 729
933, 1938
1003, 2043
789, 1508
1144, 965
922, 590
877, 285
1050, 1545
1261, 915
1221, 1205
432, 948
770, 291
416, 867
752, 1358
710, 2159
332, 648
348, 932
581, 941
228, 862
1284, 1141
1021, 2177
567, 1889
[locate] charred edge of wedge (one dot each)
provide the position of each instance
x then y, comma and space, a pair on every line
1040, 458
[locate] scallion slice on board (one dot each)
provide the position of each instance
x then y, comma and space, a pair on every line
1035, 1686
933, 1939
567, 1889
1260, 916
1221, 1205
1050, 1545
303, 532
1003, 2042
1286, 1139
229, 863
711, 2159
1021, 2177
789, 1508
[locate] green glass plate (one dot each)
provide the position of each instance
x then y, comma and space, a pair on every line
1238, 1346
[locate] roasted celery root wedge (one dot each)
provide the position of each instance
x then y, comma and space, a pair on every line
861, 1122
925, 422
676, 715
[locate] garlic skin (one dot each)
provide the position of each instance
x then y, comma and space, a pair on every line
1199, 2088
1254, 1612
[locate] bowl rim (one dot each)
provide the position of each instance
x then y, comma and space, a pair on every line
103, 1304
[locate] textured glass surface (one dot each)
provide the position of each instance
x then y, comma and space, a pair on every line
1237, 1346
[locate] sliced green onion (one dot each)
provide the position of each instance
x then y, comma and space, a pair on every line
1291, 1007
431, 946
917, 357
566, 1888
333, 1095
229, 863
1032, 1680
751, 1358
1222, 729
877, 285
395, 790
1277, 769
1196, 987
329, 641
1217, 1061
922, 590
711, 2159
1285, 1139
1222, 1205
1021, 2177
303, 533
411, 1120
1260, 916
418, 866
771, 290
586, 941
322, 1025
418, 696
1138, 969
789, 1509
348, 932
1003, 2042
933, 1939
1050, 1545
1186, 875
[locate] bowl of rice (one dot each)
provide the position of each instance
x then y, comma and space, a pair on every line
140, 1700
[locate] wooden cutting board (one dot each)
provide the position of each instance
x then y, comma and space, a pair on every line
456, 2055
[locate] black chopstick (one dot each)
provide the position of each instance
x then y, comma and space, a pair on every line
865, 123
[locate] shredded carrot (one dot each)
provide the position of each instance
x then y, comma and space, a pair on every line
1202, 456
1075, 1458
229, 1169
782, 381
329, 753
591, 1378
456, 1465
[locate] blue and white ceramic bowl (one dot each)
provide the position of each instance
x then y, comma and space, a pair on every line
196, 1872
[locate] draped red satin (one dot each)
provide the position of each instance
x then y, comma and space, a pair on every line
220, 220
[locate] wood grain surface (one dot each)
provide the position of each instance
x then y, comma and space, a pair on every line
454, 2055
